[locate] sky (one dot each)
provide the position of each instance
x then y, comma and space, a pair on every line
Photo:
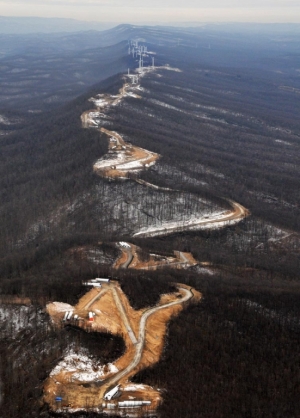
158, 11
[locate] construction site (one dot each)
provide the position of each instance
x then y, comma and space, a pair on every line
130, 257
79, 383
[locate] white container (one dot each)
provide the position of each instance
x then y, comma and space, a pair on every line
109, 395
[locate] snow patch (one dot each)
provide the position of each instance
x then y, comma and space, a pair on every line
83, 367
124, 244
63, 307
191, 224
204, 270
14, 319
132, 387
282, 142
4, 120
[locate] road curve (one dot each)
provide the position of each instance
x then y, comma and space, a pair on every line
238, 212
129, 254
142, 333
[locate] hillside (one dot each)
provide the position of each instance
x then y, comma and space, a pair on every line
160, 165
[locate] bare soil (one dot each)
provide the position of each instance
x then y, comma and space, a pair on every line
156, 261
109, 317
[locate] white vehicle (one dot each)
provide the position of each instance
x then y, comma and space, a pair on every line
69, 315
133, 404
109, 395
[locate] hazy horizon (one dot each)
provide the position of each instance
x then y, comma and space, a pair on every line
160, 11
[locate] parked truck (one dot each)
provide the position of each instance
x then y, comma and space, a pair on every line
109, 395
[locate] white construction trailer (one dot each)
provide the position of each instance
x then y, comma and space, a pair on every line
109, 395
92, 283
70, 313
133, 404
101, 280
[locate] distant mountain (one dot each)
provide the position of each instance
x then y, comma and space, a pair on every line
20, 25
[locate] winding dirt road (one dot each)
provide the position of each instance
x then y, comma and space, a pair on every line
142, 334
124, 159
132, 159
238, 213
124, 316
129, 254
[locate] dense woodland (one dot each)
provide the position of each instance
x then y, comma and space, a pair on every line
237, 359
226, 127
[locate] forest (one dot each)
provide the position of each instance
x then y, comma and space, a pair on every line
225, 129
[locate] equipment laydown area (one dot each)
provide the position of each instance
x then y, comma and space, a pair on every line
84, 386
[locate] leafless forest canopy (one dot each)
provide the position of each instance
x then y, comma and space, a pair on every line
226, 127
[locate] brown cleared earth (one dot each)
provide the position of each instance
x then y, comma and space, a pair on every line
130, 153
144, 330
154, 261
110, 317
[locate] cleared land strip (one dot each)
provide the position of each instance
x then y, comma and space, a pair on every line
129, 254
101, 293
115, 312
142, 332
123, 314
127, 158
238, 213
115, 135
124, 158
153, 186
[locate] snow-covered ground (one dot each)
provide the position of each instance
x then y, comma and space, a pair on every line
178, 175
134, 387
204, 270
167, 67
123, 161
111, 159
4, 120
194, 223
42, 225
82, 367
122, 211
16, 318
63, 307
119, 161
291, 321
168, 106
97, 256
124, 244
282, 142
100, 102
